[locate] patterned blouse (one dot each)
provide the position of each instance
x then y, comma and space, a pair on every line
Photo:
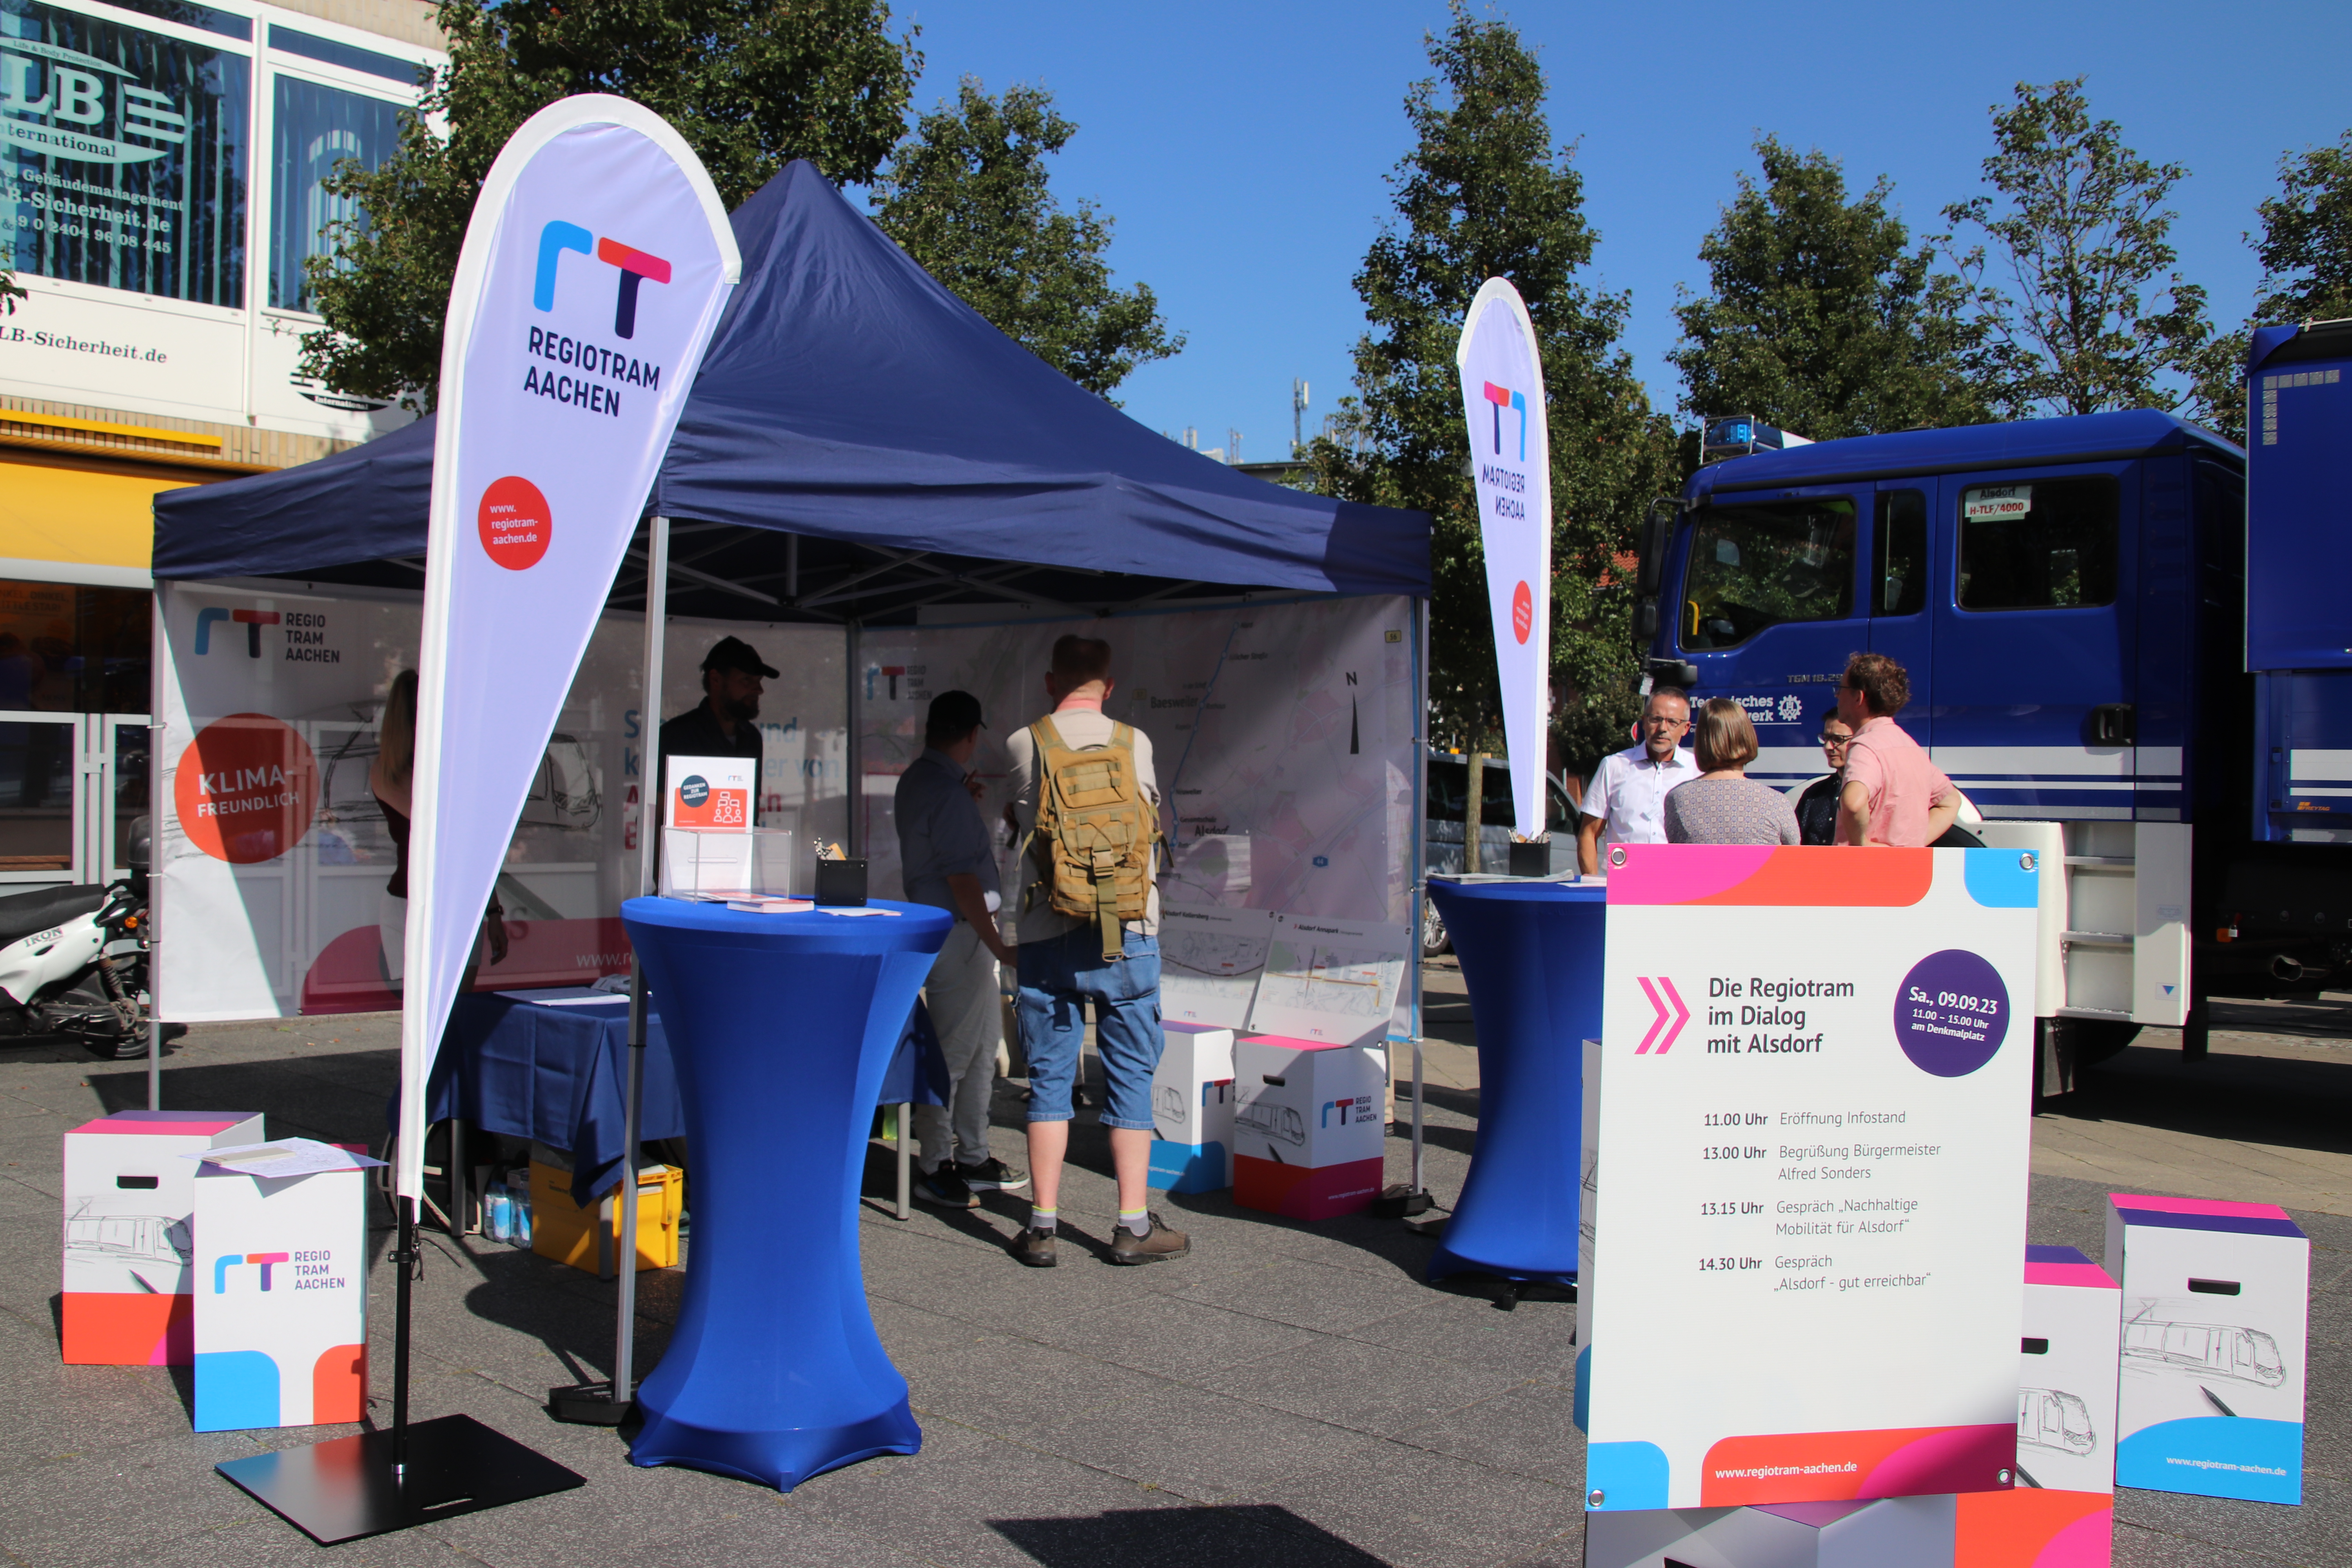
1729, 811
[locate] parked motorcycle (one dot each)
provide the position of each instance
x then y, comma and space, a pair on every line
73, 960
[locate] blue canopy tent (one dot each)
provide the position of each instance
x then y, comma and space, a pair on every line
851, 402
858, 444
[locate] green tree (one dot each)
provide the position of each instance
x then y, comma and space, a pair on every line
966, 195
10, 292
1820, 318
750, 84
1485, 193
2306, 257
2097, 318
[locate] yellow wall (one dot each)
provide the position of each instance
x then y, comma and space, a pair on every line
78, 510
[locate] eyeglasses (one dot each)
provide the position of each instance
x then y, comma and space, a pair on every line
1660, 719
1834, 739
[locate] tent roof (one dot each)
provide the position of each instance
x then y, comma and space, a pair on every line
849, 399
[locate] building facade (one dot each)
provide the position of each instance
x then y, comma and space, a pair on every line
161, 182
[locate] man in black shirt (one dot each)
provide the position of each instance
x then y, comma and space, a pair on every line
724, 723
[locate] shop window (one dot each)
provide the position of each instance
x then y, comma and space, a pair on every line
314, 131
69, 649
2047, 545
1757, 566
1900, 554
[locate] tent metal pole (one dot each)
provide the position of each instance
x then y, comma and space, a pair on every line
1420, 858
624, 1311
854, 760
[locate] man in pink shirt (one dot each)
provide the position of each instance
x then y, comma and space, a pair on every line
1893, 794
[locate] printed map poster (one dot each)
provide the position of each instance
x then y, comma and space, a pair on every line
1330, 980
1210, 961
1815, 1068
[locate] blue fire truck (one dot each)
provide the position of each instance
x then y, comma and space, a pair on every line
2126, 656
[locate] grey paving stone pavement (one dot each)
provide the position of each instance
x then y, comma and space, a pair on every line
1288, 1393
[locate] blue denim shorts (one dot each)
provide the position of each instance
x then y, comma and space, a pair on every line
1057, 976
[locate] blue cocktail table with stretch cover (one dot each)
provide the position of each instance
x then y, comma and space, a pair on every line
781, 1027
1530, 956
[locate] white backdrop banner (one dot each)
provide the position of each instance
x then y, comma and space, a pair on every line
274, 908
1283, 738
1510, 455
594, 272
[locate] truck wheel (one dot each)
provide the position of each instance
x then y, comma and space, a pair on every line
1434, 940
2096, 1039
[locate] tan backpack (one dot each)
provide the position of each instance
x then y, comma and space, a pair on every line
1095, 831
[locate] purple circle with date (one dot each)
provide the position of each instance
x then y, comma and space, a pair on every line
1951, 1013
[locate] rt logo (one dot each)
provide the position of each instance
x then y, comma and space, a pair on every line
635, 266
222, 1264
1503, 397
251, 620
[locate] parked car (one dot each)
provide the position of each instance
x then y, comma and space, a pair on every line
1449, 796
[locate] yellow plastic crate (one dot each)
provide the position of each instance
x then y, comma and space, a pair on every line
564, 1231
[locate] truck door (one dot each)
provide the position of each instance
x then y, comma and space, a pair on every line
1897, 571
1769, 609
2034, 638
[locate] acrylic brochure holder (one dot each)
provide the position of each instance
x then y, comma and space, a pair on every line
718, 864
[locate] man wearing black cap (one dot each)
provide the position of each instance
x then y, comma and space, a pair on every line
949, 862
723, 724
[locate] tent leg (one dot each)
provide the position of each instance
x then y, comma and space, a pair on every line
1417, 1186
609, 1404
906, 1113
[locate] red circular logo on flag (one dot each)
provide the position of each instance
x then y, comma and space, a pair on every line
516, 527
246, 788
1523, 612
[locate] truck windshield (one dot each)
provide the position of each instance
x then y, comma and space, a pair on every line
1755, 566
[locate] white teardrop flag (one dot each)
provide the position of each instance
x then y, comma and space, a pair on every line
1510, 458
594, 273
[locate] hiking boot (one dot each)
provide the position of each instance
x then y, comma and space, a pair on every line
1036, 1247
993, 1175
1162, 1242
943, 1189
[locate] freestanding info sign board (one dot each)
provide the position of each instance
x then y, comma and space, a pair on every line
1804, 1267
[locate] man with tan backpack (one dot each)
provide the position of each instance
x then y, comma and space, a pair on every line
1085, 805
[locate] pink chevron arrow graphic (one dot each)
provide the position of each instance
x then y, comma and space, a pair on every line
1657, 1024
1682, 1016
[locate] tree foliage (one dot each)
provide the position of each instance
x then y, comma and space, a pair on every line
2090, 315
750, 84
2306, 255
1485, 193
1820, 318
967, 197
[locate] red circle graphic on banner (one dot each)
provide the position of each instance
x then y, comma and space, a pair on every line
246, 788
1523, 612
515, 523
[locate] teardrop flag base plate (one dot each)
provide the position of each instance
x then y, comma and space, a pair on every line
346, 1488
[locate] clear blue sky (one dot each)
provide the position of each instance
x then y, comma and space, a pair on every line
1243, 149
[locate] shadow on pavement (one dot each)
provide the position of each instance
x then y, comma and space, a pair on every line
2282, 1101
1251, 1533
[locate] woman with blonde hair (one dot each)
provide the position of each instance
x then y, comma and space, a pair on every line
1723, 805
389, 780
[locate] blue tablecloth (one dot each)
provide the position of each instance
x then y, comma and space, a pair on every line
512, 1063
555, 1075
782, 1028
1530, 956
